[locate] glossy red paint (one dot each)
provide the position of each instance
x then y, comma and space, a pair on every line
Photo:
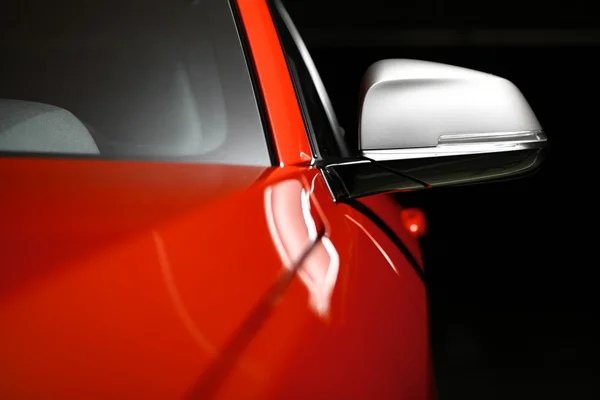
132, 280
280, 98
373, 342
118, 279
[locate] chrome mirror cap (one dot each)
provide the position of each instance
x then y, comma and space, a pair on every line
409, 104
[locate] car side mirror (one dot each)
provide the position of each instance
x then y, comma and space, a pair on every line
424, 124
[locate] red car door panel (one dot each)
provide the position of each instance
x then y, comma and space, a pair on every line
139, 279
371, 338
126, 279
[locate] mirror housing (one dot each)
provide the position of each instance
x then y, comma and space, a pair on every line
424, 124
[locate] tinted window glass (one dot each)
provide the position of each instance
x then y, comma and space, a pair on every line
157, 79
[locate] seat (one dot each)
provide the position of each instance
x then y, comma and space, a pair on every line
31, 127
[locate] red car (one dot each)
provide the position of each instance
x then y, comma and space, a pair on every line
183, 217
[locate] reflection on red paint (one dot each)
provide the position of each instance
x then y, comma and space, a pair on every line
293, 229
375, 242
414, 220
319, 273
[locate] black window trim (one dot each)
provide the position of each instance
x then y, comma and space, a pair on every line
318, 156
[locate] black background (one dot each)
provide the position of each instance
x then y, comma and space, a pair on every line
510, 266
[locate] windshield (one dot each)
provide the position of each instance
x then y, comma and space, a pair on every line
152, 79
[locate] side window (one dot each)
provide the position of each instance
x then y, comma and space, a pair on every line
159, 80
321, 123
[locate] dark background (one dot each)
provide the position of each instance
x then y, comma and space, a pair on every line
510, 266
